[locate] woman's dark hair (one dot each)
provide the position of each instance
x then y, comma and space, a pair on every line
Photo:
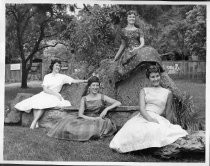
135, 13
153, 69
53, 61
90, 81
131, 12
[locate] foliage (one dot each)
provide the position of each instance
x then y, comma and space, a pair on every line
183, 31
28, 29
94, 34
173, 26
91, 34
59, 51
195, 39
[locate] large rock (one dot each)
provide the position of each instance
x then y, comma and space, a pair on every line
137, 80
110, 73
12, 115
192, 143
50, 117
73, 93
124, 84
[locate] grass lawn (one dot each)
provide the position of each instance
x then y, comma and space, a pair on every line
21, 143
11, 90
197, 90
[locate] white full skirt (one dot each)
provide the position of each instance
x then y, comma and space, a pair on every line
41, 100
138, 133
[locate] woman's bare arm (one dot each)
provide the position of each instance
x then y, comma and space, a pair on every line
79, 81
168, 108
114, 103
141, 45
119, 52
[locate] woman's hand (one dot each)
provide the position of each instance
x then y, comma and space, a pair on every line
132, 50
59, 96
154, 120
103, 114
135, 49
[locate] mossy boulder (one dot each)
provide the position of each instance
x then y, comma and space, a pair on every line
11, 114
194, 143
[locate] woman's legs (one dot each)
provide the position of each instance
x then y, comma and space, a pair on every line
37, 115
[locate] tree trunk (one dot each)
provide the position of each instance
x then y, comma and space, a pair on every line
24, 76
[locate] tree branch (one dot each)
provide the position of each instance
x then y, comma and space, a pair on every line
26, 23
86, 8
54, 45
36, 46
11, 11
51, 35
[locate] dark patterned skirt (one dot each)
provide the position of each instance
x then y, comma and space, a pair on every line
146, 53
80, 129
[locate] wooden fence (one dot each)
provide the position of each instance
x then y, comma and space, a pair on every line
13, 72
186, 69
176, 69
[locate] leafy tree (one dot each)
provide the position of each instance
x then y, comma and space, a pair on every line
28, 29
94, 34
195, 39
172, 27
91, 34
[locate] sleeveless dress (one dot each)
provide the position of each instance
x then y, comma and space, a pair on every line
138, 133
44, 100
80, 129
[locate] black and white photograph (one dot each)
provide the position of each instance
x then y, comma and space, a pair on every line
105, 83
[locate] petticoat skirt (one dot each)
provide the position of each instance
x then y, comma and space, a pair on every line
138, 133
41, 100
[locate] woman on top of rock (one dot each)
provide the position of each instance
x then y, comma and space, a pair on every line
132, 50
132, 39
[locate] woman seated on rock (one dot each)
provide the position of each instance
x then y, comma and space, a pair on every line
132, 39
91, 121
151, 127
50, 96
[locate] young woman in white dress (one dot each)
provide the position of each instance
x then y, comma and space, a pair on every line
151, 127
50, 96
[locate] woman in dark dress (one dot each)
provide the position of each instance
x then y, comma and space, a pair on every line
132, 39
91, 121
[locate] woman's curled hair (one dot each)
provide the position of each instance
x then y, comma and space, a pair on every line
53, 61
90, 81
131, 12
153, 69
